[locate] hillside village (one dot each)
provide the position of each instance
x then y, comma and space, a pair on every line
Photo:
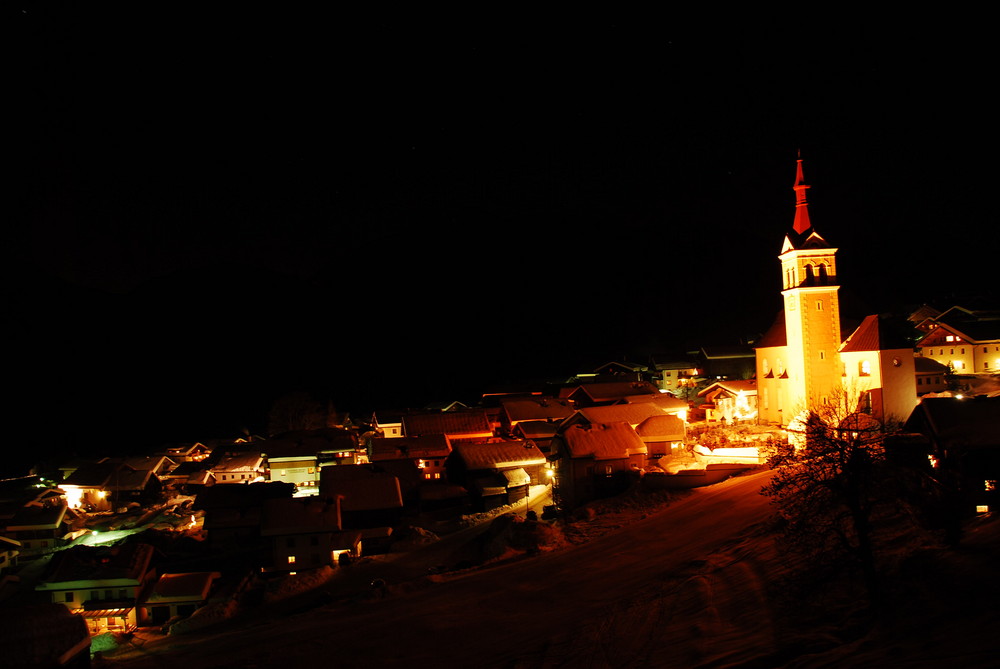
100, 548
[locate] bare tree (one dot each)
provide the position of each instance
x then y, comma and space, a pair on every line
828, 485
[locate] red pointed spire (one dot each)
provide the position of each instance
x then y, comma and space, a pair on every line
801, 206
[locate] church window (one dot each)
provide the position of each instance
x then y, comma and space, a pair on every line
819, 305
823, 278
865, 368
822, 355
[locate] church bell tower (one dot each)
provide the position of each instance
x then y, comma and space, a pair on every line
812, 309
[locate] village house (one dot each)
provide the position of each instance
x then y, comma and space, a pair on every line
727, 362
663, 435
966, 341
306, 534
232, 514
595, 460
932, 376
242, 467
458, 425
177, 595
607, 393
369, 496
101, 584
497, 472
428, 454
674, 375
962, 442
34, 516
109, 484
730, 401
533, 409
194, 452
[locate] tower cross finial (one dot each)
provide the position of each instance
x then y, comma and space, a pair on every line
801, 223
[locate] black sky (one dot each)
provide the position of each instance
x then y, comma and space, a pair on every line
215, 207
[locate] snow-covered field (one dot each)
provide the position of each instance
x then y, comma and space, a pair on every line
697, 583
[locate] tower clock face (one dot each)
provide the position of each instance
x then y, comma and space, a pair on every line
896, 362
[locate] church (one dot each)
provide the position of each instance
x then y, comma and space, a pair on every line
805, 361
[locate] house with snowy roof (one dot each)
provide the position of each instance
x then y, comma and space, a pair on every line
102, 584
965, 340
593, 460
428, 454
470, 424
306, 533
497, 471
607, 393
962, 438
177, 595
730, 401
108, 484
370, 497
244, 467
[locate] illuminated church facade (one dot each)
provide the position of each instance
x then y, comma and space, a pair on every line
804, 361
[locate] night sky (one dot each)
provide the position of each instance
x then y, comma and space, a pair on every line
215, 208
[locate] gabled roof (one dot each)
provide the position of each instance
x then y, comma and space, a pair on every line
776, 335
452, 423
661, 428
296, 516
364, 488
240, 462
497, 455
35, 517
91, 475
630, 414
613, 390
734, 387
865, 338
537, 429
537, 408
409, 448
929, 366
308, 443
972, 422
665, 402
874, 334
129, 561
613, 441
726, 352
630, 367
189, 586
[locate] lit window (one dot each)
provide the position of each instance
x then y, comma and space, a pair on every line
865, 368
989, 485
291, 559
437, 475
950, 338
982, 508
